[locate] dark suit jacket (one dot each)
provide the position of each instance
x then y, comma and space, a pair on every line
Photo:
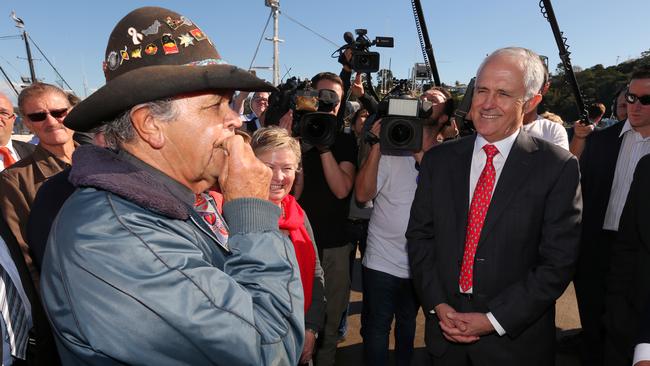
644, 325
23, 149
47, 203
526, 253
628, 284
45, 352
597, 166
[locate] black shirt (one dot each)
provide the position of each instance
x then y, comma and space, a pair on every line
327, 214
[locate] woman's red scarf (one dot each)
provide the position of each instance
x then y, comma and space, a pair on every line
293, 221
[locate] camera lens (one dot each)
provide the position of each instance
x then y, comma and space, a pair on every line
364, 60
315, 129
401, 134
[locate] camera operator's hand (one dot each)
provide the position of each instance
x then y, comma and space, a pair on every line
372, 135
357, 87
346, 59
366, 181
242, 174
286, 121
580, 133
581, 130
449, 131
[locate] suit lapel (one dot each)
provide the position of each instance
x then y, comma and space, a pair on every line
512, 178
460, 170
23, 149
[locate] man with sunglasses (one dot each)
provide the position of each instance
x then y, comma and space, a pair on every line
10, 150
43, 107
607, 165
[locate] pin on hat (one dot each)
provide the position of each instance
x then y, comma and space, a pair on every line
155, 53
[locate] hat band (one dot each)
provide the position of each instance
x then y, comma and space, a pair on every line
206, 62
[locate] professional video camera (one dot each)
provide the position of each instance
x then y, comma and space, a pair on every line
362, 60
463, 123
402, 118
313, 121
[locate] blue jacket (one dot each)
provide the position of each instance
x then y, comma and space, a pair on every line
132, 276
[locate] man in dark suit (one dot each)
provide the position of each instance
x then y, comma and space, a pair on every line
628, 283
10, 150
607, 165
41, 349
494, 227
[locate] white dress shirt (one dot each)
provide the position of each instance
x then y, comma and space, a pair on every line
633, 148
13, 153
8, 264
478, 163
641, 353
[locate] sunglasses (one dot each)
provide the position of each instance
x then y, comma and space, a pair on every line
643, 99
41, 116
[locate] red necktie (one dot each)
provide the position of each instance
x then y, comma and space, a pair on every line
477, 211
7, 159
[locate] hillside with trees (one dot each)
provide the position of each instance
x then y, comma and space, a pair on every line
598, 84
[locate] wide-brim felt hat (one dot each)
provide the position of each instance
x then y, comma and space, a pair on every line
155, 53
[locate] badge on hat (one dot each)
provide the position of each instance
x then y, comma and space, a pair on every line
186, 21
136, 53
173, 23
124, 55
169, 45
113, 61
151, 49
136, 37
152, 29
197, 34
186, 40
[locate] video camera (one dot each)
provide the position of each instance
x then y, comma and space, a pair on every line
363, 60
465, 126
402, 119
313, 121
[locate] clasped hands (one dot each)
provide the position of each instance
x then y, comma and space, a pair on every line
462, 327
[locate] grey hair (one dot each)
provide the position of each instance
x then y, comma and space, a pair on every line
531, 64
120, 130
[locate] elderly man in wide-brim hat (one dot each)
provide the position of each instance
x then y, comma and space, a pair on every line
134, 273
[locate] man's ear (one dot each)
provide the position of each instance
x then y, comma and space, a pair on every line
532, 103
148, 128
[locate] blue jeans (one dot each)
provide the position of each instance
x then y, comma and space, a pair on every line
384, 297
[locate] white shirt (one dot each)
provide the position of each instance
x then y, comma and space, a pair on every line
250, 117
396, 183
641, 353
13, 153
548, 130
8, 264
633, 148
478, 163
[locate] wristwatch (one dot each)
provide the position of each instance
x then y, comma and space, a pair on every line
315, 333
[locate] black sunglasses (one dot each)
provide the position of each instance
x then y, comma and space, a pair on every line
631, 98
40, 116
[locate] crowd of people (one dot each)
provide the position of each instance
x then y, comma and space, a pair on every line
158, 223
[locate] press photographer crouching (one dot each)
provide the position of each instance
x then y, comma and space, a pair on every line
389, 178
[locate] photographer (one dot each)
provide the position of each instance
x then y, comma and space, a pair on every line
328, 173
387, 288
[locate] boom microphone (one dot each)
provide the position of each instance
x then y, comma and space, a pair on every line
348, 37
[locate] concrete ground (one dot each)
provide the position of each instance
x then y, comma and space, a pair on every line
350, 351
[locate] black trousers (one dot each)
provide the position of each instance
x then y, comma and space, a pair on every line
591, 291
